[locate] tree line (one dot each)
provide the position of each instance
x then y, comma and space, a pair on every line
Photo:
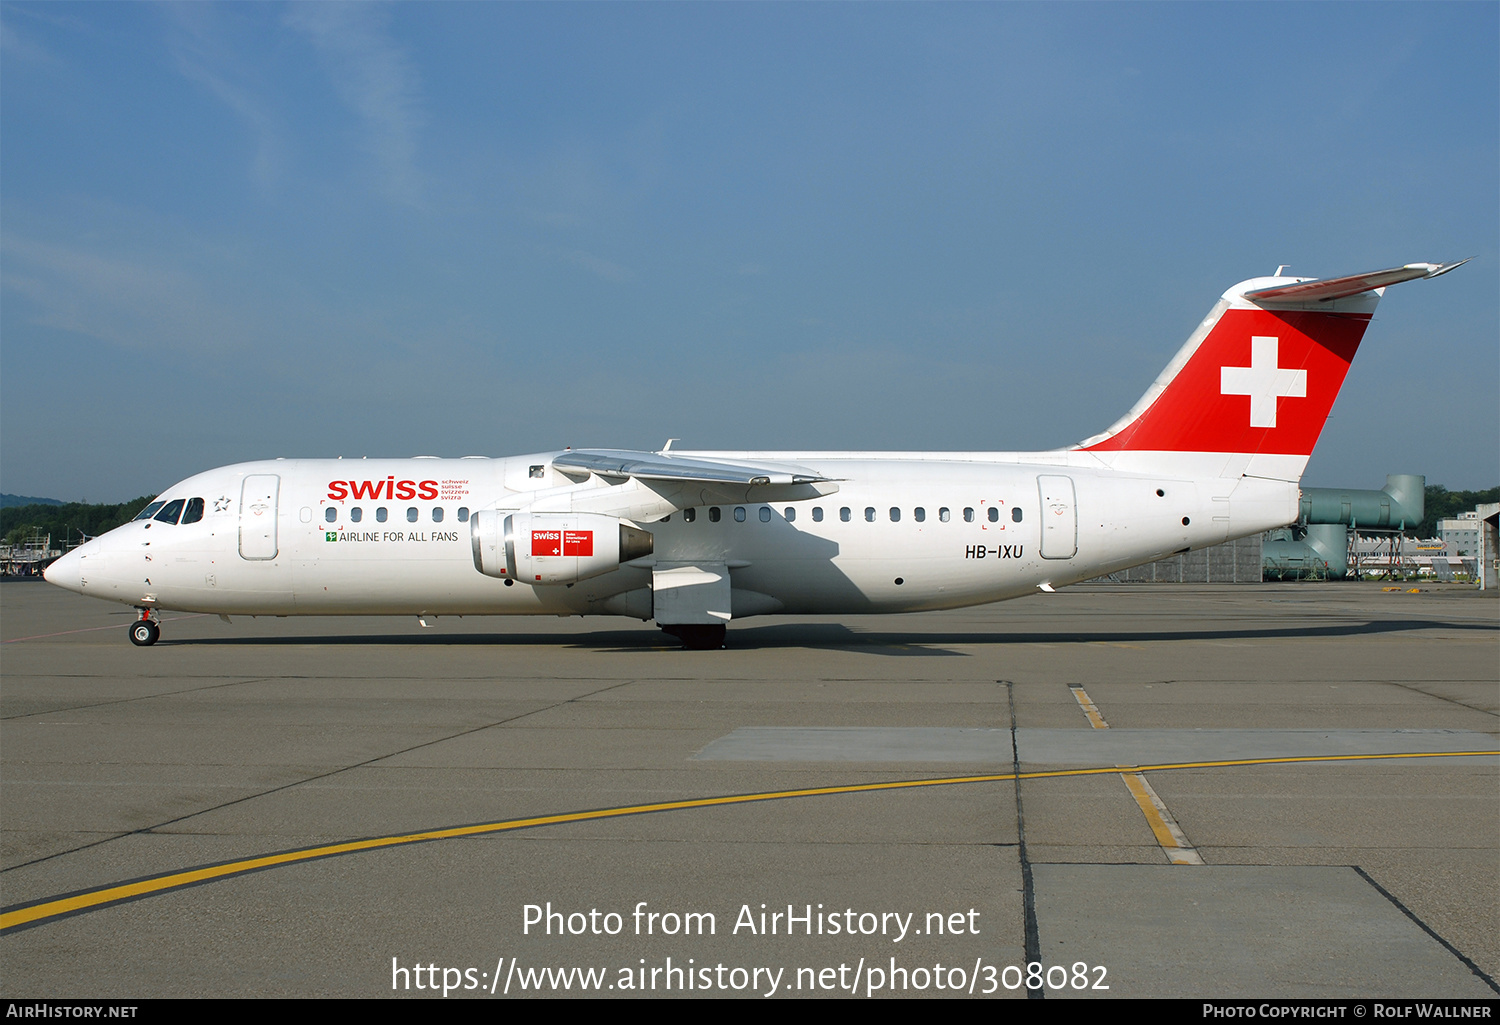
1442, 503
68, 523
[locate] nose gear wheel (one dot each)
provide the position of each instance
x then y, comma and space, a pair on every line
145, 631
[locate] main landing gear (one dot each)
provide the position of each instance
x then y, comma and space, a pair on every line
145, 631
699, 636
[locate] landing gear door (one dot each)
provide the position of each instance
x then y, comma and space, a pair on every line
1059, 517
686, 594
258, 516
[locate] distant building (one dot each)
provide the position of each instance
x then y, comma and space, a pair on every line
1464, 533
1475, 533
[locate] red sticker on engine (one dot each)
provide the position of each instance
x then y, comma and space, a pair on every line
546, 542
578, 542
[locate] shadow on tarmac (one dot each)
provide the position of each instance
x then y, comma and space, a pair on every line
839, 637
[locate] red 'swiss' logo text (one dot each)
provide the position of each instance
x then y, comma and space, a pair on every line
562, 542
390, 488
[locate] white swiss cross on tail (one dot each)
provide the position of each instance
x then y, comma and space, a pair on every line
1263, 381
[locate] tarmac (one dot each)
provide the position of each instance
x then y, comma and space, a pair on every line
1236, 791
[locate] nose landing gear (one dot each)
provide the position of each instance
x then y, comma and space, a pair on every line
145, 631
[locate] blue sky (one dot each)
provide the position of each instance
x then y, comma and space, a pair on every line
247, 230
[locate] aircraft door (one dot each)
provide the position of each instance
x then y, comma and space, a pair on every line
1059, 517
258, 516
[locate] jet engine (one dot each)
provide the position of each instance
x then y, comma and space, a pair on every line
552, 547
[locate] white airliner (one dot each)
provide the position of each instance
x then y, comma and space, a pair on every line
1212, 451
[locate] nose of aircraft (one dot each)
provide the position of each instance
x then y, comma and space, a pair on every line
66, 572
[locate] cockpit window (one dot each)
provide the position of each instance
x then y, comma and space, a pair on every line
170, 512
194, 511
149, 511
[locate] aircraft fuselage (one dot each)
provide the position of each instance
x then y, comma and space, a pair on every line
899, 533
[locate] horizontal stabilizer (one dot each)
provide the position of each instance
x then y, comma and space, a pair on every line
1338, 288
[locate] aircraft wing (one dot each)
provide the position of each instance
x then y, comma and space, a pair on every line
666, 467
1338, 288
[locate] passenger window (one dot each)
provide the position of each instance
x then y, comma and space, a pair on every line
331, 513
463, 514
689, 515
356, 514
944, 514
1015, 513
194, 511
791, 515
437, 514
869, 514
411, 514
739, 514
380, 514
170, 512
844, 514
149, 511
713, 514
994, 514
968, 515
895, 515
919, 514
817, 514
765, 514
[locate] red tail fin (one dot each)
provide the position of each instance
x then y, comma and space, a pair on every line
1260, 374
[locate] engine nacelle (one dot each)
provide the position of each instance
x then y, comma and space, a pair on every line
552, 548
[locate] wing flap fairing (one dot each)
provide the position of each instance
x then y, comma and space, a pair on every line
669, 467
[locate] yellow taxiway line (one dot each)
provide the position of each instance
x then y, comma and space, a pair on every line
87, 900
1169, 835
1096, 719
